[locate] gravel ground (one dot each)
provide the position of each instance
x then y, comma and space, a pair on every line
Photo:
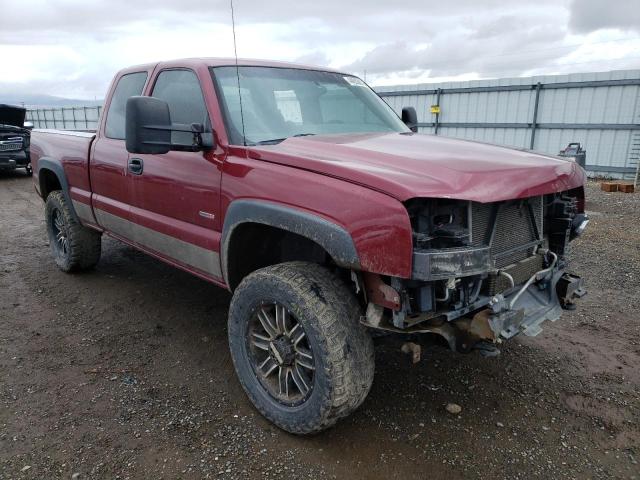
124, 372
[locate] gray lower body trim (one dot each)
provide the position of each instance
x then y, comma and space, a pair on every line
173, 248
83, 211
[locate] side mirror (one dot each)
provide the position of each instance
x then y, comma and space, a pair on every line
410, 118
28, 125
147, 125
148, 128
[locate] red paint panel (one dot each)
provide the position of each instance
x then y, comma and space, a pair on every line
410, 166
71, 151
109, 179
378, 224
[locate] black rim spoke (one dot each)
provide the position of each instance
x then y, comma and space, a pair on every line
268, 366
296, 334
60, 232
281, 319
299, 380
283, 381
267, 323
280, 354
260, 341
305, 358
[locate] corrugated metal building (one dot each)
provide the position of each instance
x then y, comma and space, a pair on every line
544, 113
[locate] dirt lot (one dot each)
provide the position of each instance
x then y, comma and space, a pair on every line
124, 372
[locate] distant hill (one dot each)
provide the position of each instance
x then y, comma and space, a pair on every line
46, 101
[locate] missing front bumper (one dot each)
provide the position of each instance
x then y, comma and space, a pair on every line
522, 311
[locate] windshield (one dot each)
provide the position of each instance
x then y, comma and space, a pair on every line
278, 103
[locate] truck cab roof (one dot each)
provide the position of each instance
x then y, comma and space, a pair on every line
224, 62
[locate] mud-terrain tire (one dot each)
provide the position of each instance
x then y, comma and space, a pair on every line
74, 247
342, 350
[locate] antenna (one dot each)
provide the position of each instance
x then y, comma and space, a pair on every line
235, 51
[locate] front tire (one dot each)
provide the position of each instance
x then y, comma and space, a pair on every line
73, 246
299, 350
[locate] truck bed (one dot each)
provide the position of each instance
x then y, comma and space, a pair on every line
67, 148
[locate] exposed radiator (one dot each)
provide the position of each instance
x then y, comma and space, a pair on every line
508, 228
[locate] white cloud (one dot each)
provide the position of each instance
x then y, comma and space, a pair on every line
72, 48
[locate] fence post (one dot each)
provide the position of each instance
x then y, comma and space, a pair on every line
535, 116
437, 123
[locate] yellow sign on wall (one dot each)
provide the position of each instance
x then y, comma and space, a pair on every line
435, 108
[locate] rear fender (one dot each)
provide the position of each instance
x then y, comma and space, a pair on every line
57, 169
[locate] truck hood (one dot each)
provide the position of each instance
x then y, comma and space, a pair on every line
413, 165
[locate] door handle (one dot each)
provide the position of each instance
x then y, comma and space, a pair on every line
136, 166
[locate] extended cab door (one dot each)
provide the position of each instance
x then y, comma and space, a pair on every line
176, 196
110, 179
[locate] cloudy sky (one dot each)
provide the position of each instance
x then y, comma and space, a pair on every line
71, 48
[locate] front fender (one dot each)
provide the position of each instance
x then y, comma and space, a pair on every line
376, 224
335, 240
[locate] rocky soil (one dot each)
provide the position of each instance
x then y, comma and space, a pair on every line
124, 373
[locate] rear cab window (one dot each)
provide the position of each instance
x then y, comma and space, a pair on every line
129, 85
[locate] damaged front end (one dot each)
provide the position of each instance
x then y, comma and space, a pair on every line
482, 272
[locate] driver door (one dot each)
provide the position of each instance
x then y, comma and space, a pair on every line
176, 196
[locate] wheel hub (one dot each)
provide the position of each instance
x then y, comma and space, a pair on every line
281, 354
282, 350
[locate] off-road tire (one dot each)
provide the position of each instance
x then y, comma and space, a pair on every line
330, 315
84, 244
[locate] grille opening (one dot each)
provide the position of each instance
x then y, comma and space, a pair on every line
506, 226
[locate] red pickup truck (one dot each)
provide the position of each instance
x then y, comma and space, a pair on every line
302, 192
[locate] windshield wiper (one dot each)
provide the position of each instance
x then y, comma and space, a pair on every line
275, 141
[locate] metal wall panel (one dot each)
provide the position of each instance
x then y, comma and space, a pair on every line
604, 118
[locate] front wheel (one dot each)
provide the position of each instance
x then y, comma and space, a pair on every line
299, 350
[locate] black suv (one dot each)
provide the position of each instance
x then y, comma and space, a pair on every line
14, 139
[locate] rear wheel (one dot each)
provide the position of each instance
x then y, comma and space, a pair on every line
298, 348
73, 246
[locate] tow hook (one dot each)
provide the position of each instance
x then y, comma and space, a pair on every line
569, 288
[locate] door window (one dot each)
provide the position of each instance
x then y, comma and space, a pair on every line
129, 85
181, 90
